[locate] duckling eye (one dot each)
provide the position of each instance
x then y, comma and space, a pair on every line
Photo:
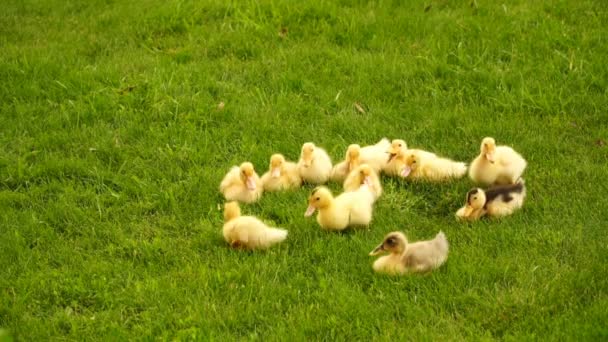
400, 145
474, 198
318, 198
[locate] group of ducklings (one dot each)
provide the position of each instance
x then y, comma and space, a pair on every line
498, 166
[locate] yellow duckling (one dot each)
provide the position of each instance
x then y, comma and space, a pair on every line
314, 165
363, 175
497, 201
496, 164
348, 209
282, 175
404, 257
374, 156
242, 184
397, 154
426, 165
247, 231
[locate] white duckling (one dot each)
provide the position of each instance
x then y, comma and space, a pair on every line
242, 184
363, 175
348, 209
247, 231
314, 165
282, 174
425, 165
374, 155
404, 257
496, 164
497, 201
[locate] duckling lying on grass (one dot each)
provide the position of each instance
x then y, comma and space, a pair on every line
247, 231
373, 155
496, 164
427, 166
348, 209
497, 201
404, 257
282, 175
363, 175
242, 184
314, 165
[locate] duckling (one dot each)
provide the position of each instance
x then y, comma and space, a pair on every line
426, 165
242, 184
247, 231
396, 157
314, 165
497, 201
363, 175
496, 164
282, 175
348, 209
404, 257
374, 156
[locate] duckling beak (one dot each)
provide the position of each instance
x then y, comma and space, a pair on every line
251, 183
490, 157
276, 172
406, 171
309, 211
468, 210
391, 156
377, 250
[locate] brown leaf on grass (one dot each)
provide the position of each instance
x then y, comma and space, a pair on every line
283, 32
600, 142
126, 90
359, 108
220, 106
428, 7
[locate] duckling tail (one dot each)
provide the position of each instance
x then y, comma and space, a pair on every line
442, 247
275, 235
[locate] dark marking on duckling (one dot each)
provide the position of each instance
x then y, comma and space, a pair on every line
471, 193
504, 191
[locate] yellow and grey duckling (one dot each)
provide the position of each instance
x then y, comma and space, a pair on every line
404, 257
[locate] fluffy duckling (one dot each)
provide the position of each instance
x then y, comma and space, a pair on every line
247, 231
363, 175
404, 257
346, 210
374, 156
496, 164
497, 201
396, 155
426, 165
314, 165
282, 175
242, 184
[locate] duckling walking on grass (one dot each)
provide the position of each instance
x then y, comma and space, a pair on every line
404, 257
247, 231
346, 210
363, 175
496, 164
314, 165
242, 184
282, 175
497, 201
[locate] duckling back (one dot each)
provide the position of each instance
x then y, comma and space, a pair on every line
433, 168
504, 200
424, 256
319, 170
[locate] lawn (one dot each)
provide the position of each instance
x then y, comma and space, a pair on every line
113, 144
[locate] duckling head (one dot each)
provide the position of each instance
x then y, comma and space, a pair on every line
476, 199
308, 153
352, 155
397, 146
365, 174
488, 147
276, 163
394, 243
319, 198
247, 173
412, 161
231, 211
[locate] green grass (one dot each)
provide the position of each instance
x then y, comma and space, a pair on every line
112, 149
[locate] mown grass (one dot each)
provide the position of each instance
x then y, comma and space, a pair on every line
113, 148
